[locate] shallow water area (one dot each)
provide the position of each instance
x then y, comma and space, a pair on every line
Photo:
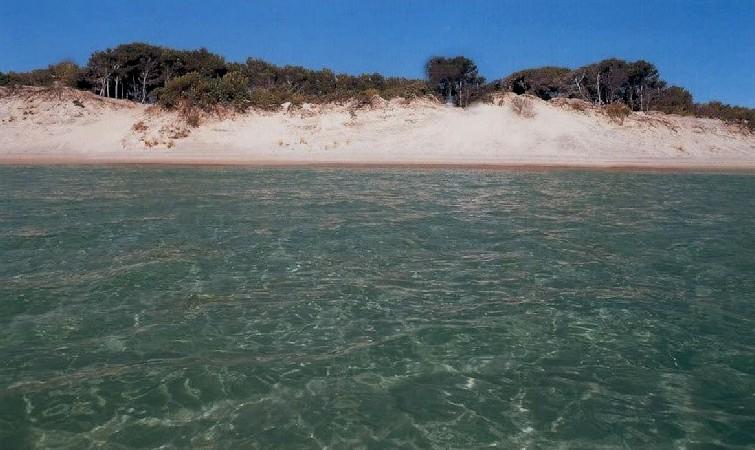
288, 308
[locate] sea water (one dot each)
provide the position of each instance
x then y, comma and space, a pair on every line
261, 308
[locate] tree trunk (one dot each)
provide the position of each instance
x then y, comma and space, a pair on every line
597, 84
144, 88
631, 99
579, 87
642, 89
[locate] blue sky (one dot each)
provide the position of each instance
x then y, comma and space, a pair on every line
706, 46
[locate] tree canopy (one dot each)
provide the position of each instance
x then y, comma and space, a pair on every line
605, 82
455, 79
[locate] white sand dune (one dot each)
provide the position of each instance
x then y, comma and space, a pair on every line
47, 126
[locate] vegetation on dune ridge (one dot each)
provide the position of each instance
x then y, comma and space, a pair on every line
200, 79
636, 85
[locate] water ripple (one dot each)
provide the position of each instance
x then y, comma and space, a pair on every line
235, 308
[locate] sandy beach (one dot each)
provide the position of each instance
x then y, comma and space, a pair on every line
39, 126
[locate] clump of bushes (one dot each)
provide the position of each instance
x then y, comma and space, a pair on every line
522, 106
190, 89
195, 91
272, 99
191, 116
408, 89
139, 126
677, 100
739, 115
235, 90
365, 97
65, 73
572, 104
617, 112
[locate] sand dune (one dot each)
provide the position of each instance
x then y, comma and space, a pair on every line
66, 126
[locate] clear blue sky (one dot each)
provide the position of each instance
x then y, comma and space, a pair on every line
706, 46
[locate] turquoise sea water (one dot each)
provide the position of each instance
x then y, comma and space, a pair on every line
243, 308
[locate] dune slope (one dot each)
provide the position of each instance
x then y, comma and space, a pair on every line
66, 126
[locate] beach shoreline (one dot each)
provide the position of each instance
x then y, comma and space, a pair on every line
606, 166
